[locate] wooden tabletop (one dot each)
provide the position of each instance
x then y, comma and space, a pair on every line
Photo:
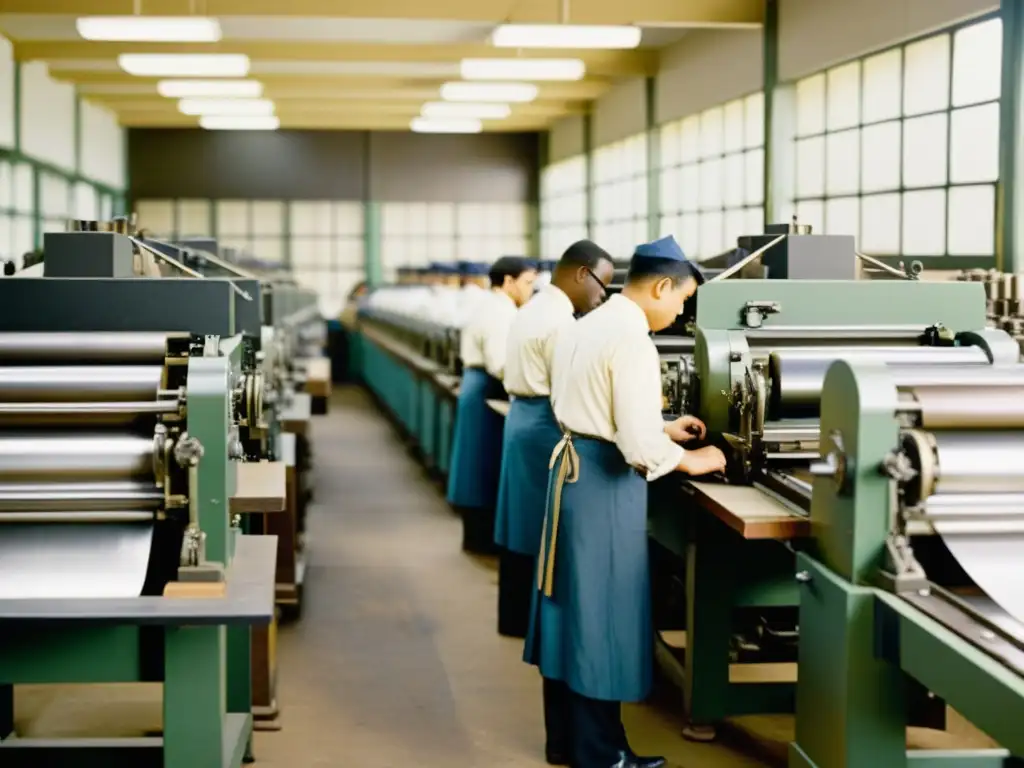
259, 487
499, 406
749, 511
318, 376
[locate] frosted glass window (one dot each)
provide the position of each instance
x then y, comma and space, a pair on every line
233, 218
842, 216
810, 167
842, 165
753, 135
689, 188
881, 159
711, 236
349, 218
24, 188
194, 218
755, 221
924, 222
267, 217
977, 63
23, 235
811, 212
753, 177
711, 130
734, 190
6, 236
843, 96
668, 189
157, 216
310, 218
926, 75
810, 105
883, 86
972, 220
670, 145
6, 187
925, 149
734, 124
689, 139
268, 249
974, 144
688, 233
350, 252
735, 227
54, 196
880, 224
711, 183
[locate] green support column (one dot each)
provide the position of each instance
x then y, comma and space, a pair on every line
1010, 201
374, 269
37, 207
653, 161
587, 189
536, 210
779, 125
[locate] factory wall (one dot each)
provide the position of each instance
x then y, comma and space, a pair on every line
894, 112
387, 199
60, 156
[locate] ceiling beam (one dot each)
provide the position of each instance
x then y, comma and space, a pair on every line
309, 121
690, 12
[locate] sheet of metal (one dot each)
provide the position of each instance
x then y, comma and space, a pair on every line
74, 561
86, 497
970, 407
90, 347
75, 457
798, 375
35, 384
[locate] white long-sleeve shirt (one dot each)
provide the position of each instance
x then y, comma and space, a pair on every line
531, 342
484, 341
606, 383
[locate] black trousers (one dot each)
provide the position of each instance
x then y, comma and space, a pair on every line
587, 731
516, 582
478, 530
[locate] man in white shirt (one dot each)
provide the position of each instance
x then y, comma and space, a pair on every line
591, 620
476, 448
579, 284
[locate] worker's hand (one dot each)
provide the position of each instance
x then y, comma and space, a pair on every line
685, 428
702, 461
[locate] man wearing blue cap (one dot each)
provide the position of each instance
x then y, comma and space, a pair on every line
476, 447
579, 285
591, 627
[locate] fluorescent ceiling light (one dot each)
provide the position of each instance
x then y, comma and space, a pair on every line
184, 64
425, 125
523, 69
149, 29
185, 89
239, 123
507, 93
480, 111
225, 107
565, 36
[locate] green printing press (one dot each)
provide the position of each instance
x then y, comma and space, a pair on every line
129, 408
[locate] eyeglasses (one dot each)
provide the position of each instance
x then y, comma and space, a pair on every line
602, 286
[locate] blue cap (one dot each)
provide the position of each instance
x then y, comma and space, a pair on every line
444, 267
473, 268
666, 249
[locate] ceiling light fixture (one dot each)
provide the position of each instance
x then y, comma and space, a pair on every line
186, 89
514, 93
430, 125
481, 111
565, 36
523, 69
239, 123
226, 107
149, 29
184, 64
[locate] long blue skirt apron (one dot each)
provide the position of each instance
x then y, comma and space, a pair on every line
476, 450
531, 434
590, 623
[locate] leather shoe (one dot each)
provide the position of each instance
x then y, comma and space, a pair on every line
629, 760
555, 757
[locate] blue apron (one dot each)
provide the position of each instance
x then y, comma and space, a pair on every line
531, 433
590, 623
476, 451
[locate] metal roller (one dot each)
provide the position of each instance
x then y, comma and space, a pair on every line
81, 383
86, 497
673, 344
964, 463
70, 457
95, 414
849, 335
798, 375
120, 516
968, 407
85, 347
978, 376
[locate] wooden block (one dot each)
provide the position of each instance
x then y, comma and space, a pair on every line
196, 589
260, 486
748, 511
318, 376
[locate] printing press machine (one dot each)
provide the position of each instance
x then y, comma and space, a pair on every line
133, 438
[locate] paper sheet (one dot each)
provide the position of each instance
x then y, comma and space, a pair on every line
994, 562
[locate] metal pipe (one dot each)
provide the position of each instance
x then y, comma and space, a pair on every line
48, 384
51, 497
75, 517
28, 457
85, 347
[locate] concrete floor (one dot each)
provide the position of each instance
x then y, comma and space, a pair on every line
396, 660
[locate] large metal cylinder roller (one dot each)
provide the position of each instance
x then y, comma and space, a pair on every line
102, 457
76, 348
85, 383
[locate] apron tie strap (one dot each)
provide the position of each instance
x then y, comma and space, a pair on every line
568, 461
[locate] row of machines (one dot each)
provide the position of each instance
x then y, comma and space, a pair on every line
1004, 298
856, 566
141, 450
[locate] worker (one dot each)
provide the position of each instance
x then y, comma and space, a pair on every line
476, 449
578, 284
591, 629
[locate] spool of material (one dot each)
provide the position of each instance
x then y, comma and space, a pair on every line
970, 407
85, 347
798, 375
90, 497
75, 458
74, 561
992, 560
80, 383
979, 462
